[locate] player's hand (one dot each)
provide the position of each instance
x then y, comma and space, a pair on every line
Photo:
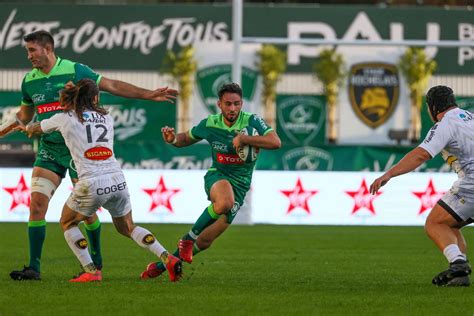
378, 183
69, 85
237, 142
168, 134
163, 94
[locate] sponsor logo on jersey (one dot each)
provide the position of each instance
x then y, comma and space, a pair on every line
98, 153
431, 134
148, 239
49, 107
38, 98
81, 243
218, 146
93, 117
373, 92
112, 188
228, 159
235, 209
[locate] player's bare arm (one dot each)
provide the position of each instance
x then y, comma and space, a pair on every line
22, 117
410, 162
268, 141
177, 140
127, 90
33, 129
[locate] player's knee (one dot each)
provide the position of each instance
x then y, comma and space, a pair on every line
224, 205
38, 209
65, 223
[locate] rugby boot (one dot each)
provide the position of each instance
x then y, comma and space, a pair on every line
174, 268
151, 271
186, 250
460, 281
26, 274
84, 276
457, 269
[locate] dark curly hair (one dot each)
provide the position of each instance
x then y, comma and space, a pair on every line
81, 97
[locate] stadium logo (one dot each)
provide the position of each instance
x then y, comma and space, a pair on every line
307, 158
373, 92
127, 122
212, 78
301, 118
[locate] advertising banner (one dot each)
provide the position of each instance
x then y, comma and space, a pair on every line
136, 37
303, 197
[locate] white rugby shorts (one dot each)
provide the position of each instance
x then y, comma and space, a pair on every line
109, 191
459, 200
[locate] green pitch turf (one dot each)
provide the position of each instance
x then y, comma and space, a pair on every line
284, 270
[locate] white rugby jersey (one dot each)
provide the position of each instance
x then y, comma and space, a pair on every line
455, 134
91, 143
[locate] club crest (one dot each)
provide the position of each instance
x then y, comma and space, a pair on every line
373, 92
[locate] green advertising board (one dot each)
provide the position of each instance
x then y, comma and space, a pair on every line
138, 141
136, 37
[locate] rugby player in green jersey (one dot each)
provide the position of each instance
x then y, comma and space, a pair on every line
228, 179
40, 89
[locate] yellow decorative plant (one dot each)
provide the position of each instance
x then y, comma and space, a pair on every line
271, 64
417, 69
182, 68
330, 70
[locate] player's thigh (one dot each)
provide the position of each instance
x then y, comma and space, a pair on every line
84, 199
221, 189
456, 207
213, 231
70, 218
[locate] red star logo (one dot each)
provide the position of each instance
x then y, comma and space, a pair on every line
363, 198
20, 194
428, 198
160, 196
299, 197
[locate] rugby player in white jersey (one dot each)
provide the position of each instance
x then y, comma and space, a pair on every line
452, 135
88, 131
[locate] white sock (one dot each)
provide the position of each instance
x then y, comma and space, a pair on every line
144, 238
453, 253
78, 244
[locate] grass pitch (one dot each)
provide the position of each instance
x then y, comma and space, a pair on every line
284, 270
